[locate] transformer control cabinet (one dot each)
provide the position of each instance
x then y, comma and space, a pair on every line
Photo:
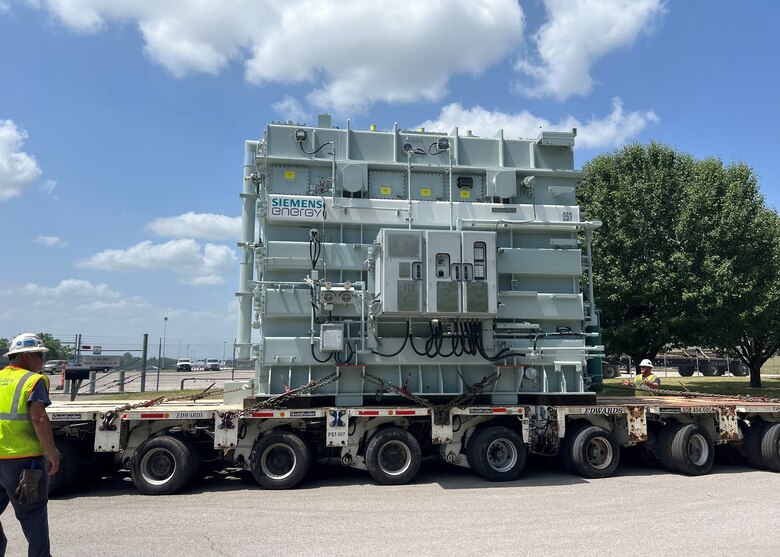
434, 273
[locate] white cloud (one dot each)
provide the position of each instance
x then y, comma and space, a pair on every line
17, 169
51, 241
183, 256
70, 288
612, 130
4, 6
48, 187
354, 52
576, 35
207, 226
289, 108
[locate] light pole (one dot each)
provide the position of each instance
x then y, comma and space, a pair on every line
162, 358
165, 332
224, 344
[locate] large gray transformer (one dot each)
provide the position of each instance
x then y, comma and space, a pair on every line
430, 261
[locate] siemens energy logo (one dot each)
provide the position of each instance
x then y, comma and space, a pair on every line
287, 207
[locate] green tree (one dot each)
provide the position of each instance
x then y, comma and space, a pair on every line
57, 350
733, 240
641, 276
688, 254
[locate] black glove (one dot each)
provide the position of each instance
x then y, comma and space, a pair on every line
27, 492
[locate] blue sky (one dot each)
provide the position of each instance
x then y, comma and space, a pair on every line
122, 121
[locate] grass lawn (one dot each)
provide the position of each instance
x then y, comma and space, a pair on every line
712, 385
148, 395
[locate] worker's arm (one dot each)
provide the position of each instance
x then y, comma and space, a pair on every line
654, 385
42, 425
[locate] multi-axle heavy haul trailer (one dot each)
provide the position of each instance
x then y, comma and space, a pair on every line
403, 294
167, 446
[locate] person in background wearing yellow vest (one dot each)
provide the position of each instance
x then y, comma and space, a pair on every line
647, 380
26, 442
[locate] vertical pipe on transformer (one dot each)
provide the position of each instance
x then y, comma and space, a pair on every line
588, 241
245, 272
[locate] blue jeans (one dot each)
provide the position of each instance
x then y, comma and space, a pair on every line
34, 518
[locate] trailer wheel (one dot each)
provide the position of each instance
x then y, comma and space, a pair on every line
686, 371
393, 456
66, 476
280, 460
692, 450
663, 445
753, 442
94, 466
770, 447
609, 372
709, 370
592, 452
497, 453
740, 371
163, 465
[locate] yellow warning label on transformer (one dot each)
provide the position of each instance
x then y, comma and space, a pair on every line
289, 174
465, 194
385, 190
425, 192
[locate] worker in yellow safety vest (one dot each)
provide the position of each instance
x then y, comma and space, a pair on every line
26, 442
646, 380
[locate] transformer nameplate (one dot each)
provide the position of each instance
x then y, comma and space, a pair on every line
296, 208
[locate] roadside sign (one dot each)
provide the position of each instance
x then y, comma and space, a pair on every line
107, 362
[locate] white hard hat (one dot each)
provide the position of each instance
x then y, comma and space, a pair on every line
646, 363
26, 342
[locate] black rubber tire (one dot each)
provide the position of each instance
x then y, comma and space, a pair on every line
740, 371
163, 465
709, 370
68, 474
752, 445
686, 371
692, 450
280, 460
594, 452
393, 456
565, 451
609, 372
663, 445
770, 447
92, 465
497, 453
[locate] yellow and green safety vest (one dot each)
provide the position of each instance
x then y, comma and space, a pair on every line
639, 383
17, 435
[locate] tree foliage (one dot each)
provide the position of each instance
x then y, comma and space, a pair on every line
57, 350
641, 277
688, 254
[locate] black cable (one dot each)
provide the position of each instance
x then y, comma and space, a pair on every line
317, 150
441, 343
411, 341
430, 343
438, 151
394, 354
315, 249
313, 355
348, 358
500, 355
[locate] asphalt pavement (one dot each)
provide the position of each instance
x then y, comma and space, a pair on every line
446, 511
